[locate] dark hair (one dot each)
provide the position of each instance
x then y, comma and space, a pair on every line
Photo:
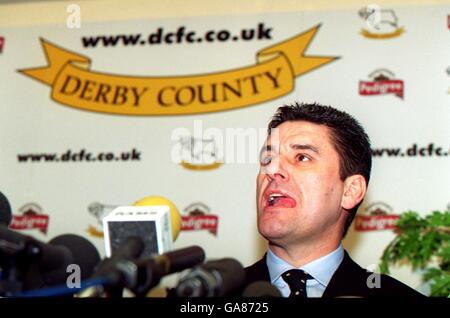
348, 136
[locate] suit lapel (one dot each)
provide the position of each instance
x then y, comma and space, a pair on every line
348, 280
257, 271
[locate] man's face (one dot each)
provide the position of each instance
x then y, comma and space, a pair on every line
299, 190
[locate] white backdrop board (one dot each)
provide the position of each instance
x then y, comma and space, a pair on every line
108, 113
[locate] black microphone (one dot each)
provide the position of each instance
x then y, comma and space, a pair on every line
26, 250
109, 268
213, 279
261, 289
28, 264
5, 211
21, 258
84, 254
149, 271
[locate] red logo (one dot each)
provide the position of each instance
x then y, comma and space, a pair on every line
383, 82
378, 217
199, 219
2, 43
448, 21
31, 218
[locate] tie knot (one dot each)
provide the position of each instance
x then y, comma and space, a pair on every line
296, 279
296, 275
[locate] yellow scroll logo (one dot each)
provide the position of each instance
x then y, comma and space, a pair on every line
74, 84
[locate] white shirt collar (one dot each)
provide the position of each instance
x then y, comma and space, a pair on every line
321, 269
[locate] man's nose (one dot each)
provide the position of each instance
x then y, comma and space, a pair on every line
277, 170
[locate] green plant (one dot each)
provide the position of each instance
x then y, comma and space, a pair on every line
424, 242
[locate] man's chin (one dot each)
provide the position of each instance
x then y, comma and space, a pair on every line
271, 233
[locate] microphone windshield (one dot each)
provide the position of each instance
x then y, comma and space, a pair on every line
84, 253
230, 270
175, 217
181, 259
5, 210
213, 279
78, 251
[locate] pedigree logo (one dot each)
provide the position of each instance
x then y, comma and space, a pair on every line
380, 23
198, 218
377, 216
74, 84
382, 82
31, 218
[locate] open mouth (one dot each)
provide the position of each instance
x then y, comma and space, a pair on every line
279, 199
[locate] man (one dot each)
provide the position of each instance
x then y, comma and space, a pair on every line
315, 168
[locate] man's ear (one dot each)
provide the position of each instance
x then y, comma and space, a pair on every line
355, 187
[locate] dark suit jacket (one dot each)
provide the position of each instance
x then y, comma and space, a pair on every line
348, 280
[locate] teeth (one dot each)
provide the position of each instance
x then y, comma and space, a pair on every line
273, 196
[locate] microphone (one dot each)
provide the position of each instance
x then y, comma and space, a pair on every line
154, 219
150, 271
5, 211
261, 289
213, 279
140, 275
111, 268
28, 264
22, 258
84, 254
175, 217
129, 249
27, 250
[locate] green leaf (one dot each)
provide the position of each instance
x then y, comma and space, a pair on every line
422, 241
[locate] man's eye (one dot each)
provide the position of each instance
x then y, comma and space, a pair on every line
302, 158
